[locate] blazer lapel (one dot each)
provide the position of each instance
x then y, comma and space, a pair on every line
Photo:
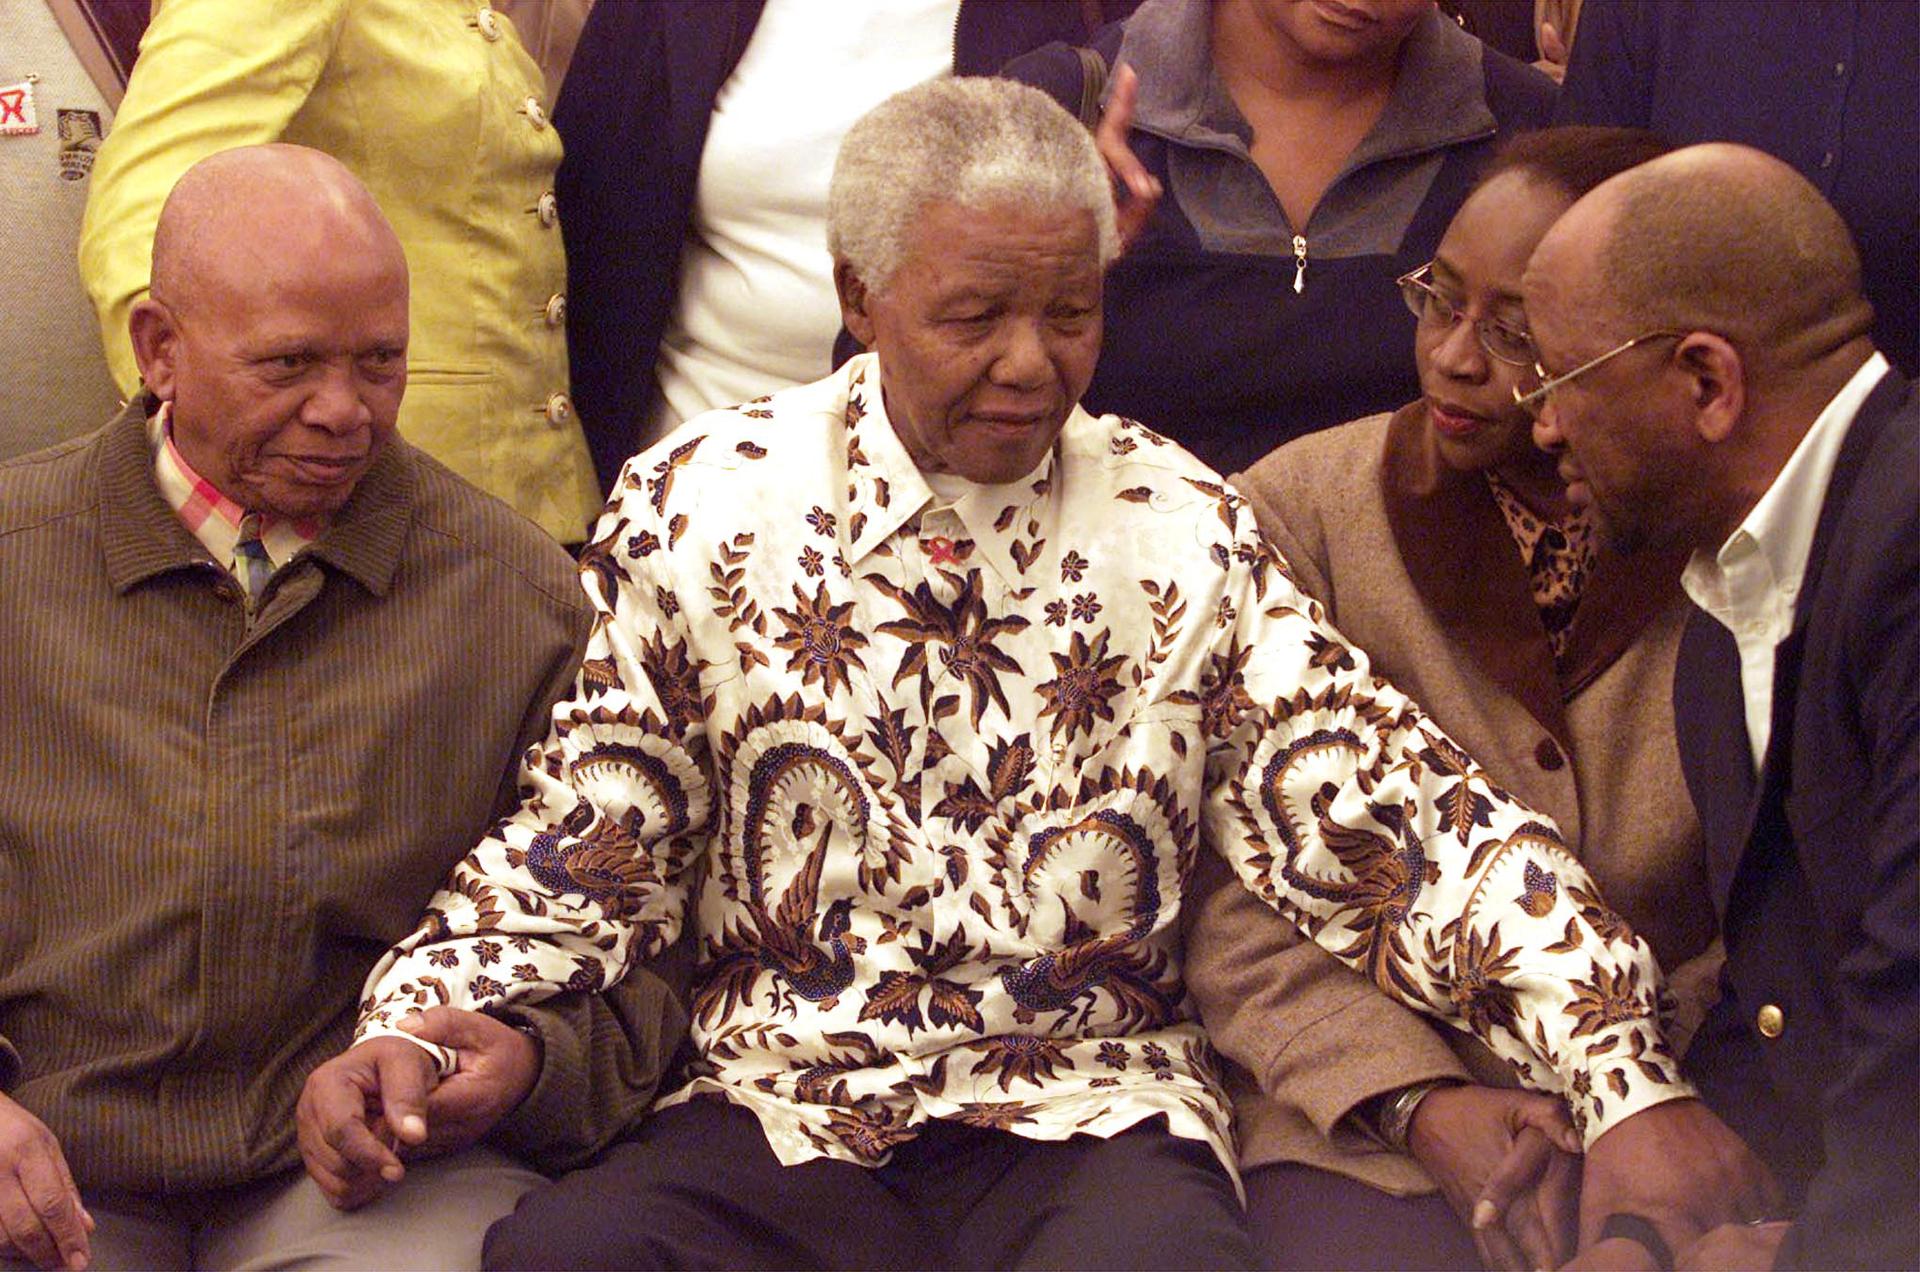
1881, 405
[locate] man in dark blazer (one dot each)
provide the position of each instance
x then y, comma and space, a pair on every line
1709, 382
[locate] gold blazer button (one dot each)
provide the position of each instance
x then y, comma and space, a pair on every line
1770, 1021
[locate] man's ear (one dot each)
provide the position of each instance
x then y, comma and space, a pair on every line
1716, 383
156, 345
853, 303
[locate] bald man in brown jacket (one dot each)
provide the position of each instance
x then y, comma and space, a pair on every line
267, 673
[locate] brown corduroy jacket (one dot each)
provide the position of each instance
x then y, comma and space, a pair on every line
1416, 566
210, 829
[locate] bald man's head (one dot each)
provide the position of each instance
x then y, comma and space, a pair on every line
275, 327
1697, 311
238, 204
1719, 238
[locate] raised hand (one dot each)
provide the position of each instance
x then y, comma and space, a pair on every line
1142, 188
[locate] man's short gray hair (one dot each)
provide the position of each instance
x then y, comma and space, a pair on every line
974, 142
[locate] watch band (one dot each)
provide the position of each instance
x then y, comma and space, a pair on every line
1393, 1116
1639, 1230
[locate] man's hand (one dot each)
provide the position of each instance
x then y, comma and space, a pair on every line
41, 1217
1508, 1163
365, 1110
1677, 1166
496, 1066
353, 1112
1142, 187
1734, 1247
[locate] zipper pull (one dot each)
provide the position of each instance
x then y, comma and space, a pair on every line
1299, 263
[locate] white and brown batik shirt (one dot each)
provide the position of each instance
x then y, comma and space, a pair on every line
932, 781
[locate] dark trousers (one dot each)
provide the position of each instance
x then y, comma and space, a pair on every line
698, 1187
1303, 1218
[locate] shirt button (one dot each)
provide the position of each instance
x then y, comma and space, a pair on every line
548, 209
1549, 756
1826, 160
1770, 1020
536, 113
489, 23
1839, 69
558, 410
556, 309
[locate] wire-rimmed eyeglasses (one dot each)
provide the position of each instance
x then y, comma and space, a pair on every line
1535, 402
1502, 340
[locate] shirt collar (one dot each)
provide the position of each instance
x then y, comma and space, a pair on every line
214, 518
1009, 522
1780, 526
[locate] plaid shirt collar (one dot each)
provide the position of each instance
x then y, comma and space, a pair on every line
214, 518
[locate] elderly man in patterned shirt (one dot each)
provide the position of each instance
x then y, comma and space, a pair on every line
917, 692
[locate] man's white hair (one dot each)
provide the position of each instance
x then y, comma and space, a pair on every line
974, 142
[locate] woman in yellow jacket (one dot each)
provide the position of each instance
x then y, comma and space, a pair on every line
438, 108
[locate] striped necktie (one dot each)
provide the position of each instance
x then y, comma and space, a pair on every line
256, 567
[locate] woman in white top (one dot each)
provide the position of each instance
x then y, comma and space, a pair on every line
699, 136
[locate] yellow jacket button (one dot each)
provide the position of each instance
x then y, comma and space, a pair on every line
1770, 1021
548, 209
489, 23
536, 113
559, 410
556, 310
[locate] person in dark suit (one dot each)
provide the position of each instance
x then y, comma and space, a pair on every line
1709, 381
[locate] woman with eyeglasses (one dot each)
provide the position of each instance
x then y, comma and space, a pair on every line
1441, 541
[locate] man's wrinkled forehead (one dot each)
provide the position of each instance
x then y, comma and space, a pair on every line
1561, 278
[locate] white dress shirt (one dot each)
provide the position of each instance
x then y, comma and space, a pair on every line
1751, 584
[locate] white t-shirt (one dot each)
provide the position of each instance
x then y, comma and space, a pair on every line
755, 310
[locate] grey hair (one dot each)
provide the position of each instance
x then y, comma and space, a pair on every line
971, 141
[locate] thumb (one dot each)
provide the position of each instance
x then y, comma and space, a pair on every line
1526, 1159
407, 1074
1552, 47
1548, 1116
1118, 114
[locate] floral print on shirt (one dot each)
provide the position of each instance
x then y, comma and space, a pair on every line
930, 780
